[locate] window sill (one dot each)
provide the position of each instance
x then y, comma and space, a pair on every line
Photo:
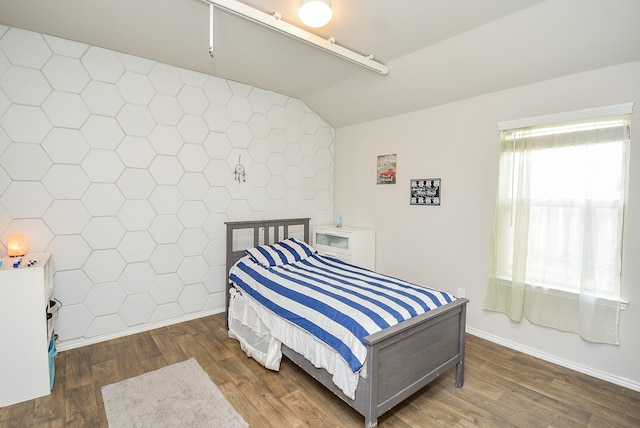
563, 292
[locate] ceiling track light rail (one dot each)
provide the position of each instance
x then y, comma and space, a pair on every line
275, 22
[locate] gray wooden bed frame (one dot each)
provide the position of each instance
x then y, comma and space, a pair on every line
401, 359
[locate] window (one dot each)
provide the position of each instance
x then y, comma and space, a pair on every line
557, 242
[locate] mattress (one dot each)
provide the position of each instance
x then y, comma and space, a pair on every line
323, 308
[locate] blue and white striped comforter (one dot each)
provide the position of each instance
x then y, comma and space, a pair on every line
337, 303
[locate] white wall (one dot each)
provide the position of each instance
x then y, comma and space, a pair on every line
448, 246
122, 168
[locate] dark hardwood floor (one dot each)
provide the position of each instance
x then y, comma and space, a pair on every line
503, 388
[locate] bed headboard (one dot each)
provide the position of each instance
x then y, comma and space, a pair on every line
264, 232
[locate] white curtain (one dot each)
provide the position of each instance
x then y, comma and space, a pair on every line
557, 238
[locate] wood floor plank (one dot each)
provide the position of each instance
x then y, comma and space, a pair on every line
606, 398
267, 407
82, 408
477, 410
78, 368
299, 404
503, 388
429, 411
165, 340
18, 415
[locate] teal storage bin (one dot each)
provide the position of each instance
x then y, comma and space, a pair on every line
52, 362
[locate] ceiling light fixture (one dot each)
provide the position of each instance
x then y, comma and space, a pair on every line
276, 23
315, 13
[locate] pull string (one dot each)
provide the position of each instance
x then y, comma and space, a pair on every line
211, 29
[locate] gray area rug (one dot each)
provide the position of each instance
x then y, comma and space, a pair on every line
179, 395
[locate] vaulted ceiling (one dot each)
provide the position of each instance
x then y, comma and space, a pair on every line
438, 51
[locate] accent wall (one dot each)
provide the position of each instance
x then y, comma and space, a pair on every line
123, 168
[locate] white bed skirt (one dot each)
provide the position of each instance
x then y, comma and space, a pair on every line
254, 337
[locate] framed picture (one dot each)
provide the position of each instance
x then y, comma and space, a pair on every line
425, 191
386, 169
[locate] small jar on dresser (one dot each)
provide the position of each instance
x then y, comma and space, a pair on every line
355, 245
26, 326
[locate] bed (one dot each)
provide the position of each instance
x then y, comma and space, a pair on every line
400, 359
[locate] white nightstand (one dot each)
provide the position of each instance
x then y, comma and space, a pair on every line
355, 245
25, 293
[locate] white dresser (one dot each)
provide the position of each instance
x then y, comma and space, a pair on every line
355, 245
25, 331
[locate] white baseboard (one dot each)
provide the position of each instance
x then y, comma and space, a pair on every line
77, 343
626, 383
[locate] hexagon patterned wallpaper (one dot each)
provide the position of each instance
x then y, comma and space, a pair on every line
122, 168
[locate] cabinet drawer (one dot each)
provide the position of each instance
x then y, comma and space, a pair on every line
330, 242
344, 257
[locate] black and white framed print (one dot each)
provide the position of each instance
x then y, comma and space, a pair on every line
425, 191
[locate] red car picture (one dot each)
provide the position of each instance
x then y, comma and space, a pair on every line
386, 169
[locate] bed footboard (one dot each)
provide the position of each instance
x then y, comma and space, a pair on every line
402, 359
